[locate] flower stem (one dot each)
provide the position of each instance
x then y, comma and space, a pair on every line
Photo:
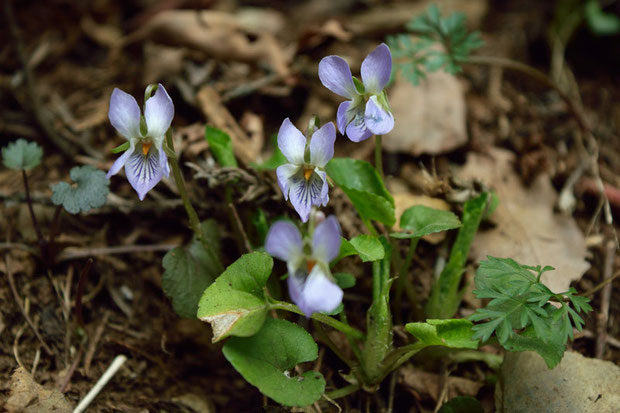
402, 281
35, 223
379, 155
322, 318
194, 222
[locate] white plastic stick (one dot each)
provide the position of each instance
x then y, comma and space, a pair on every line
105, 378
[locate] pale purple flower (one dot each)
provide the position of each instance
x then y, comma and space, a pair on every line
145, 161
367, 112
310, 283
303, 178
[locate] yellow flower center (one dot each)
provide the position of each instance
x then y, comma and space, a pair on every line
310, 264
146, 146
308, 173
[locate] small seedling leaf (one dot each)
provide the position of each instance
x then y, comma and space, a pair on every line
89, 191
22, 154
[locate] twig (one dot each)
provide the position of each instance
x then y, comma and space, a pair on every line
62, 385
17, 246
601, 285
105, 378
92, 344
80, 291
122, 249
66, 147
603, 316
9, 274
16, 345
239, 227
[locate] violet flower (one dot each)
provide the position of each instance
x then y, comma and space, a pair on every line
145, 161
303, 179
310, 283
367, 112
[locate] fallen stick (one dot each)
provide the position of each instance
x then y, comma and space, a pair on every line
105, 378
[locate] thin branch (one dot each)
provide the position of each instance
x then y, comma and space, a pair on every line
9, 274
122, 249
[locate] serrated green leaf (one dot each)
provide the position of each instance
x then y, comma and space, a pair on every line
526, 320
221, 147
90, 190
421, 220
462, 404
235, 304
551, 351
22, 154
451, 333
363, 185
267, 360
188, 271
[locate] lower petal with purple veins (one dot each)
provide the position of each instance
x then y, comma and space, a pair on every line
316, 293
285, 173
357, 130
378, 120
145, 171
304, 193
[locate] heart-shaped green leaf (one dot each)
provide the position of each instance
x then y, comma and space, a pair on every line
21, 154
90, 191
363, 185
235, 304
267, 360
369, 248
420, 220
188, 271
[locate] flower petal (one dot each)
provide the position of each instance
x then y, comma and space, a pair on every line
341, 116
124, 114
326, 240
305, 193
322, 145
335, 75
324, 187
121, 161
163, 160
376, 69
378, 120
144, 172
285, 173
357, 131
283, 241
319, 293
158, 114
291, 142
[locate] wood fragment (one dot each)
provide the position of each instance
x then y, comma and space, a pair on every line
211, 105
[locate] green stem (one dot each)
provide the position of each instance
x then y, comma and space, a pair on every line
345, 391
194, 222
378, 155
402, 277
322, 318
